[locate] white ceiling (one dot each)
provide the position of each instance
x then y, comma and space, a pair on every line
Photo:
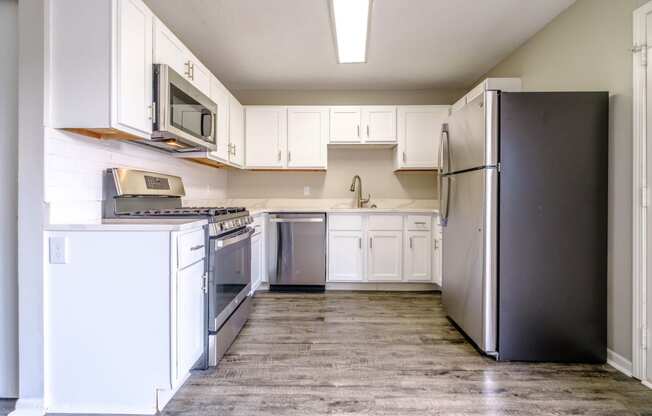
413, 44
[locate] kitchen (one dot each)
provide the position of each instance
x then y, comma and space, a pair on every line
335, 181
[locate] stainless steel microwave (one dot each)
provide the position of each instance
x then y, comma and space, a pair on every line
184, 118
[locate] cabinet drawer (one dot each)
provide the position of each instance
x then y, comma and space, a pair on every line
192, 247
385, 222
345, 222
419, 222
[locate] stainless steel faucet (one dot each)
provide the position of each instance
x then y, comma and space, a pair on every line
359, 201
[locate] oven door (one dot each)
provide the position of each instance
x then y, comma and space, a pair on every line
229, 275
185, 117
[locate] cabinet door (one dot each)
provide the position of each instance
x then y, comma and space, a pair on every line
379, 124
419, 135
385, 256
307, 137
190, 317
256, 260
200, 76
134, 66
436, 257
266, 136
345, 256
345, 125
169, 50
221, 96
236, 131
418, 256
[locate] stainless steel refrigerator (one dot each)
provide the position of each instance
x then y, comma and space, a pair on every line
523, 200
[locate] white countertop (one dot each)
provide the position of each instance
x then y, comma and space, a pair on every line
135, 224
422, 211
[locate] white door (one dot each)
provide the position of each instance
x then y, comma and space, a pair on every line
236, 132
169, 50
190, 317
385, 256
345, 125
307, 137
418, 256
419, 131
345, 256
134, 66
256, 260
221, 96
379, 124
266, 136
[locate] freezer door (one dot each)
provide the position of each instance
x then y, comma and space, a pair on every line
469, 255
473, 135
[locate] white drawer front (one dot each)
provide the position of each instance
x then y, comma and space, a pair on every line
192, 247
419, 222
385, 222
345, 222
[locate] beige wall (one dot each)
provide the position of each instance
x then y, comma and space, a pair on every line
375, 166
587, 48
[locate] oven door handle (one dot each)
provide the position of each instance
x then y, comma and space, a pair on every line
284, 220
225, 242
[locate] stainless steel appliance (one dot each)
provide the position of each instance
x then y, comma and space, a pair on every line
524, 207
297, 256
139, 194
184, 118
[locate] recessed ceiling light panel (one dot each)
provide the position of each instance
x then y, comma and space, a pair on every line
351, 27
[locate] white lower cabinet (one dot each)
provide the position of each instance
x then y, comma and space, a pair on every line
418, 256
190, 317
385, 255
383, 248
256, 260
346, 256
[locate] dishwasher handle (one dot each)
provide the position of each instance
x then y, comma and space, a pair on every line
295, 220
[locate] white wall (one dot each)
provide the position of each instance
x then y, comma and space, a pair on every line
8, 204
74, 165
587, 48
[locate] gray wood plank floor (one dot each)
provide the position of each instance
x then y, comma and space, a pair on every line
378, 353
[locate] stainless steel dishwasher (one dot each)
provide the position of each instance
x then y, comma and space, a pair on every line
297, 251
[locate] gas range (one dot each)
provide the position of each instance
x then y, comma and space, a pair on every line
140, 194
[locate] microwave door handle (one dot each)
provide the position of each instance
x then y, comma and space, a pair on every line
202, 125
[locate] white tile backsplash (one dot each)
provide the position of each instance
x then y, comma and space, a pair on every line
74, 167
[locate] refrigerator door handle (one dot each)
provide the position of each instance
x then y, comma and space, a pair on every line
445, 206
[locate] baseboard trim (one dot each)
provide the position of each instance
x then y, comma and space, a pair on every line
619, 362
29, 407
374, 286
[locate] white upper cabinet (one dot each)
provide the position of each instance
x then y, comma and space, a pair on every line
266, 136
221, 97
307, 137
379, 124
370, 124
169, 50
345, 124
98, 92
419, 136
236, 132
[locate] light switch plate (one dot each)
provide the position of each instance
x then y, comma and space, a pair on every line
306, 191
58, 250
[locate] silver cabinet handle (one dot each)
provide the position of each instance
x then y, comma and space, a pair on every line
420, 222
195, 248
279, 155
358, 129
436, 244
289, 156
410, 242
234, 150
204, 283
371, 242
404, 158
360, 243
367, 130
192, 71
187, 72
153, 112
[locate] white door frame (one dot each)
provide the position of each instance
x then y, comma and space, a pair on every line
639, 195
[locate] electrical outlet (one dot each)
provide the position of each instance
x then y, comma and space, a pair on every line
58, 250
306, 191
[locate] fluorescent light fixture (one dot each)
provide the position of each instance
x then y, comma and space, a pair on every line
351, 21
